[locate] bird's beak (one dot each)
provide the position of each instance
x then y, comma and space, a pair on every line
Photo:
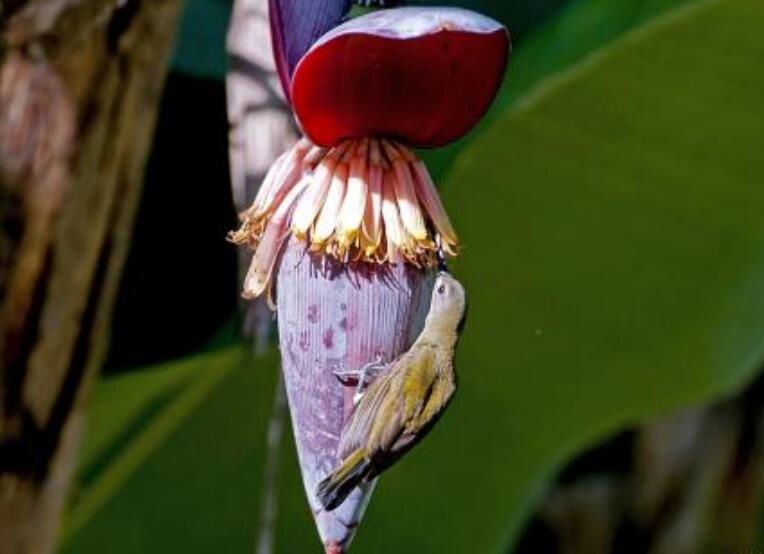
442, 263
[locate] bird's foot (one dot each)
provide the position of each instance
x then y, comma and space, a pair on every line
360, 377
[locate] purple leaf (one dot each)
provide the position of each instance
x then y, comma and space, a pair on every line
295, 25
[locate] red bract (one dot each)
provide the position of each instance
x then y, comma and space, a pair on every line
423, 76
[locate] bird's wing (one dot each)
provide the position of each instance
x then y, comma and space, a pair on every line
415, 374
420, 377
442, 391
359, 426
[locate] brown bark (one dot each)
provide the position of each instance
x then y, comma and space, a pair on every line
80, 82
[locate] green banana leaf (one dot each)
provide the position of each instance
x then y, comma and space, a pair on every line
195, 469
130, 418
567, 35
613, 223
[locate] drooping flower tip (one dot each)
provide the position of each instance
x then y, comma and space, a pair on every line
333, 548
365, 200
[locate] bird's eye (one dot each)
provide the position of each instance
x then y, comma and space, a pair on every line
441, 289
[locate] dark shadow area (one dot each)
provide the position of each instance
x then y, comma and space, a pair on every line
179, 284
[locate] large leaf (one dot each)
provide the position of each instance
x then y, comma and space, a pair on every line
614, 250
614, 231
198, 489
121, 400
130, 418
580, 27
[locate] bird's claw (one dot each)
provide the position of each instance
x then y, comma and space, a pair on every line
360, 377
349, 376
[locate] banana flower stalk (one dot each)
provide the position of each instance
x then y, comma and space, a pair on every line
347, 226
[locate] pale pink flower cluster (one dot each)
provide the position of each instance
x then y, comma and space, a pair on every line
363, 200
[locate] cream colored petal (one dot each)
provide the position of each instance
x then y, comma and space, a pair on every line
354, 204
267, 186
391, 218
313, 157
259, 275
302, 146
392, 253
372, 223
408, 204
327, 218
313, 200
314, 197
430, 199
288, 175
261, 267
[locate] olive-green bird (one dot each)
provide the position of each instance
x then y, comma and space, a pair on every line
401, 406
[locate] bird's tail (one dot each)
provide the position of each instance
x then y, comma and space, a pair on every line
333, 490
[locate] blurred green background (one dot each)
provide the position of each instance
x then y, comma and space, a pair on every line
612, 211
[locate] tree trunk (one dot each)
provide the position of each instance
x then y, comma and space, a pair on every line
80, 82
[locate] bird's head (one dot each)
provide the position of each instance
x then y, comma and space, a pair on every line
449, 301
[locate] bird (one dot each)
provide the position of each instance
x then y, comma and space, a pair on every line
402, 405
